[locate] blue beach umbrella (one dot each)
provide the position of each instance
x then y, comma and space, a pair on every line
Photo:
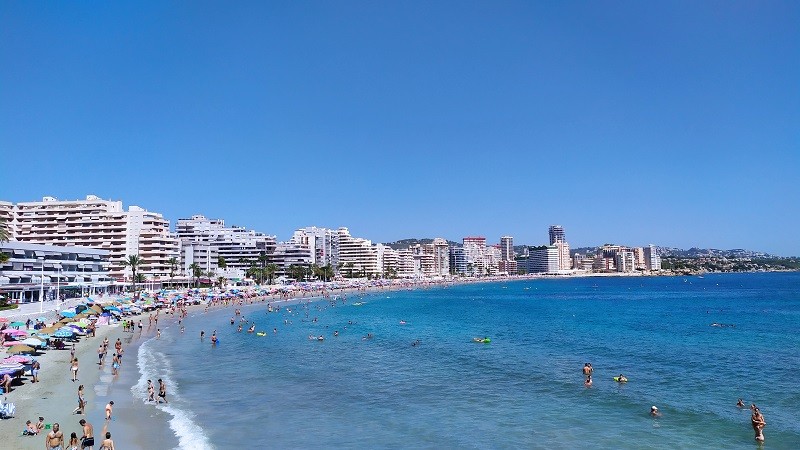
63, 334
69, 314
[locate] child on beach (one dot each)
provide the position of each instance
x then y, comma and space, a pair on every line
74, 369
73, 441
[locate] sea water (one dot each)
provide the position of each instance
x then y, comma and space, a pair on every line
523, 390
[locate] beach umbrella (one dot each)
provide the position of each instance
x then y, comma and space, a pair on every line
19, 359
11, 332
42, 335
33, 342
61, 334
67, 314
17, 324
20, 349
46, 330
3, 319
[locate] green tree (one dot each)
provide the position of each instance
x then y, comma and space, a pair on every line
263, 259
173, 267
221, 263
269, 271
134, 262
140, 278
4, 233
221, 282
196, 272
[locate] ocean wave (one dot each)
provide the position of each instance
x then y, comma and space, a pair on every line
153, 365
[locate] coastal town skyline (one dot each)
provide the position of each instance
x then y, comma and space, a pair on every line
668, 123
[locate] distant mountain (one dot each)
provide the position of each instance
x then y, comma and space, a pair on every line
405, 243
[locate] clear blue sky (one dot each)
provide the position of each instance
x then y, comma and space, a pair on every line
676, 123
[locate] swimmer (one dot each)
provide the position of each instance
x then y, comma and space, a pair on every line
588, 382
740, 403
239, 329
336, 333
621, 379
214, 338
202, 334
587, 369
654, 411
252, 328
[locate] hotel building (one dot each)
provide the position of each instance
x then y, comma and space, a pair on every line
103, 225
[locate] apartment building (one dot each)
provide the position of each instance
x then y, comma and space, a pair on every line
100, 224
357, 255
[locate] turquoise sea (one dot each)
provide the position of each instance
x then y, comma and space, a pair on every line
523, 390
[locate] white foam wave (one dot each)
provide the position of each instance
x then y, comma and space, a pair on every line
153, 365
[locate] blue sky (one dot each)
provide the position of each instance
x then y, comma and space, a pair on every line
630, 122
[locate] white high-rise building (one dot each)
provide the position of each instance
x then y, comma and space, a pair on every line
104, 225
441, 257
321, 241
8, 219
356, 255
559, 239
652, 258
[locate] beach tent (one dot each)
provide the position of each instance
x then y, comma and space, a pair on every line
20, 349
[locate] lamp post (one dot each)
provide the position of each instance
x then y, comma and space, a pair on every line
41, 287
58, 288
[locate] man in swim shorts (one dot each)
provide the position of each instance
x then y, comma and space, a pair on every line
87, 440
758, 422
162, 391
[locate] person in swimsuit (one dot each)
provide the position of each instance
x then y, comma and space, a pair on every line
6, 383
107, 444
81, 401
151, 392
101, 354
758, 422
109, 409
87, 440
73, 441
162, 391
54, 439
740, 403
654, 411
115, 365
74, 369
588, 382
35, 371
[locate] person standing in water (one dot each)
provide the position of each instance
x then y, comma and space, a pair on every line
162, 391
758, 422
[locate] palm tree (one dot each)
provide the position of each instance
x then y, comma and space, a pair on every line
4, 234
134, 262
253, 271
327, 272
196, 272
221, 281
263, 259
221, 263
269, 271
140, 278
173, 267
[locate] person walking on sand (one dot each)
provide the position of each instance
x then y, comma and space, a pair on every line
115, 365
109, 409
81, 401
35, 371
54, 439
74, 369
162, 391
87, 440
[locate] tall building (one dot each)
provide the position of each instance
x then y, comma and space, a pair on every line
475, 254
357, 257
652, 258
556, 234
441, 257
558, 238
321, 241
507, 248
103, 225
458, 261
7, 219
